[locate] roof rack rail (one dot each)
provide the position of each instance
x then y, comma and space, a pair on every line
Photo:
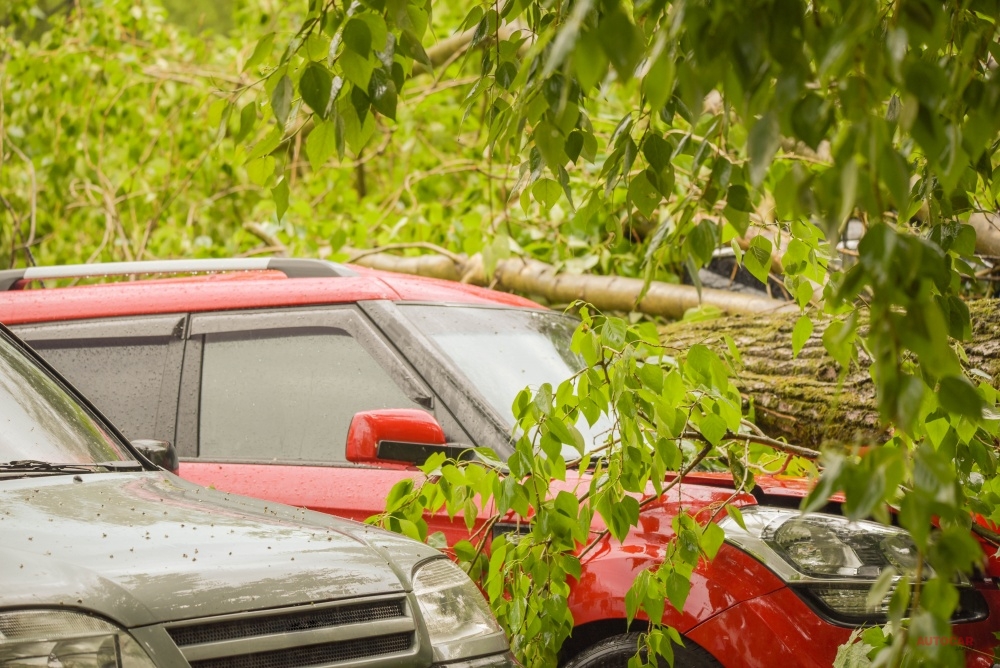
290, 267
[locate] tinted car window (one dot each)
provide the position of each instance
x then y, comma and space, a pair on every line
122, 377
42, 421
501, 351
287, 394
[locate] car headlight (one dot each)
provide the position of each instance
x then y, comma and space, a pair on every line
832, 562
457, 618
67, 639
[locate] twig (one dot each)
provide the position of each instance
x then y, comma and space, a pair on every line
796, 450
34, 191
272, 241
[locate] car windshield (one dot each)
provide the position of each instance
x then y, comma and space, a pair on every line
504, 350
42, 422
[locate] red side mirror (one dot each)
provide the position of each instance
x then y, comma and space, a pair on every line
398, 435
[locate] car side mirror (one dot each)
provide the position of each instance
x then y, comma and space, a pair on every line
397, 436
161, 453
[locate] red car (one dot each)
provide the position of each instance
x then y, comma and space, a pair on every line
322, 385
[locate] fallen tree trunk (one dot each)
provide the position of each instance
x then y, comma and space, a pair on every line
541, 280
987, 226
797, 397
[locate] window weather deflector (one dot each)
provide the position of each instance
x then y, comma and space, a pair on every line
290, 267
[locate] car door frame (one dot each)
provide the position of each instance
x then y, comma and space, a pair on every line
486, 427
347, 317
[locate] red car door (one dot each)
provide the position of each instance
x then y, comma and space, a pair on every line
267, 399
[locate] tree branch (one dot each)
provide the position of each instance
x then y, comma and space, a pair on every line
609, 293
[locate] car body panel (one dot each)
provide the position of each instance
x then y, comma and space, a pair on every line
173, 550
354, 493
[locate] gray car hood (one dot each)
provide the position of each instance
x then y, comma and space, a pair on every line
146, 548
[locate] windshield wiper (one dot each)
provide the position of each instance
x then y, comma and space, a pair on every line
38, 466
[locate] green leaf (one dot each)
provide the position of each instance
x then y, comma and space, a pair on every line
880, 589
356, 68
315, 86
260, 170
546, 192
281, 100
896, 175
622, 42
811, 119
589, 60
266, 145
657, 152
737, 516
377, 29
757, 258
566, 433
762, 145
678, 588
739, 199
800, 333
958, 395
219, 112
551, 144
409, 45
382, 92
248, 118
260, 52
644, 195
357, 37
965, 241
701, 241
280, 194
712, 539
321, 144
713, 428
398, 494
658, 84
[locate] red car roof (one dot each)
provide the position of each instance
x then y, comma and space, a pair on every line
235, 290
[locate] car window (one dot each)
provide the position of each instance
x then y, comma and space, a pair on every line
122, 377
128, 367
42, 421
501, 351
287, 394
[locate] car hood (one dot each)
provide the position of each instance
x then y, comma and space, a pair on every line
148, 548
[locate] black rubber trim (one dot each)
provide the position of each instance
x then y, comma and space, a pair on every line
416, 453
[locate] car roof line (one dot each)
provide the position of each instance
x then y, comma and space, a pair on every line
291, 267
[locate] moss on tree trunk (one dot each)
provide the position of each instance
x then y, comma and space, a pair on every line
797, 397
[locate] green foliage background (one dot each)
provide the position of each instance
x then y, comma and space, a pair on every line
629, 138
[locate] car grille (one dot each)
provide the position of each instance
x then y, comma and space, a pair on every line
379, 629
315, 655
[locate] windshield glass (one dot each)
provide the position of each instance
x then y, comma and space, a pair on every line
41, 421
502, 351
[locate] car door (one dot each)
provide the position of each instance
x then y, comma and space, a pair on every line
129, 367
268, 397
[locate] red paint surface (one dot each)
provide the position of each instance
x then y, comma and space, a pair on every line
237, 290
778, 629
408, 425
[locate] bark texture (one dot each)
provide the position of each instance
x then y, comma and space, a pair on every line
607, 293
797, 398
